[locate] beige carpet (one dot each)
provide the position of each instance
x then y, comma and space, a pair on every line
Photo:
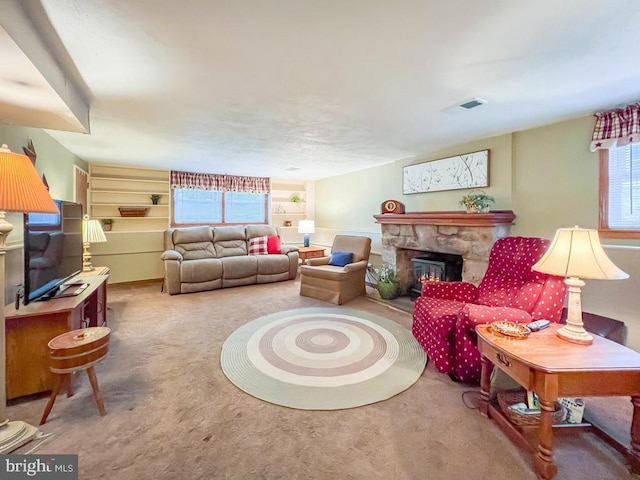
172, 414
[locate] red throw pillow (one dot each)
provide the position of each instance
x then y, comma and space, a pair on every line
273, 244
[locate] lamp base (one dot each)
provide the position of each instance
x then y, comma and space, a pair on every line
86, 258
306, 239
574, 331
15, 434
575, 336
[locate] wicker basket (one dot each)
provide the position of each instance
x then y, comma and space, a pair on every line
511, 397
133, 211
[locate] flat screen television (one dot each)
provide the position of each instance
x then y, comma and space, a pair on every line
52, 250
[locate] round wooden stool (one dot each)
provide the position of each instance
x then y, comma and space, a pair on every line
73, 351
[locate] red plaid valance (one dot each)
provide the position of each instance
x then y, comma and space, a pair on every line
616, 128
224, 183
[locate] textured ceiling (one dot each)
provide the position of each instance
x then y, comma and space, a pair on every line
255, 87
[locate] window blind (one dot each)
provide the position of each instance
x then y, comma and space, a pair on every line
624, 187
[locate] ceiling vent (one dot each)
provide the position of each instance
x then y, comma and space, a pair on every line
473, 103
464, 106
292, 169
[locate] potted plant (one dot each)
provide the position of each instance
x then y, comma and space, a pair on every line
387, 285
155, 198
477, 202
296, 198
106, 224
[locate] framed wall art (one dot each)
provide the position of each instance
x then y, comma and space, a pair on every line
470, 170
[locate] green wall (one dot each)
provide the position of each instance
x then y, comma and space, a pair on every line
555, 178
56, 162
546, 175
348, 202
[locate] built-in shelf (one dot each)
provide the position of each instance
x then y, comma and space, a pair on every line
115, 186
282, 208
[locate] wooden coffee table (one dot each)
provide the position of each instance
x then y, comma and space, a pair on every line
552, 368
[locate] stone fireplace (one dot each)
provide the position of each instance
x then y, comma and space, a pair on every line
471, 235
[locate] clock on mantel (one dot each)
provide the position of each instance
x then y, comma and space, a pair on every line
392, 206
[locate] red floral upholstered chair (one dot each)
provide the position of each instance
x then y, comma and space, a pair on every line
446, 313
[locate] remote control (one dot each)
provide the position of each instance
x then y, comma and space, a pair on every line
538, 325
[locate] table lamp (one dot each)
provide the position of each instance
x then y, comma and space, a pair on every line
306, 227
91, 233
21, 190
576, 253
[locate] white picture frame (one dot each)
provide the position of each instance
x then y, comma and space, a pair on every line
469, 170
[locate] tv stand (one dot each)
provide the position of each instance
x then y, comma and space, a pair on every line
28, 331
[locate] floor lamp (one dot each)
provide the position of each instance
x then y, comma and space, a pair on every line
576, 253
21, 190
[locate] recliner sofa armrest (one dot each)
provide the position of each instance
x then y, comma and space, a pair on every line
460, 291
288, 248
171, 255
172, 262
474, 315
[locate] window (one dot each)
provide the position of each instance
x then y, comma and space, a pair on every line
195, 207
240, 207
620, 191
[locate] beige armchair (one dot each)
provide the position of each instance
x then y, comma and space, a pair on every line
337, 284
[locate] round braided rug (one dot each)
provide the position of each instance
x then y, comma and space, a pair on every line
322, 358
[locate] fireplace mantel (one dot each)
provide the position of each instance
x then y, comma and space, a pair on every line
471, 235
452, 218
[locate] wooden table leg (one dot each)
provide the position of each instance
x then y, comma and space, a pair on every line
634, 454
70, 385
485, 385
60, 380
544, 458
96, 391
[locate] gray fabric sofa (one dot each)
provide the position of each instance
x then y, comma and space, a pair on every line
207, 258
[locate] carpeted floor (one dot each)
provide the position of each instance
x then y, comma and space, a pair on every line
172, 414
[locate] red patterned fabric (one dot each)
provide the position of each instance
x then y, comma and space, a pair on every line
616, 128
199, 181
224, 183
461, 291
258, 246
446, 314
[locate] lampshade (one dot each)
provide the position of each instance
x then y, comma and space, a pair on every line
21, 189
577, 252
306, 226
92, 231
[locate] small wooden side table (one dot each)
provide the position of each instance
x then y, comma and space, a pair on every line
74, 351
310, 252
553, 368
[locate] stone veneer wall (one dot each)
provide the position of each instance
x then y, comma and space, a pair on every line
400, 243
